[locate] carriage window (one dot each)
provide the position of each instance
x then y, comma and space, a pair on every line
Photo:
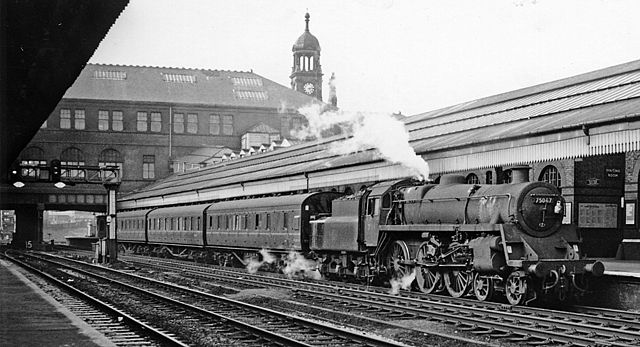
245, 222
198, 223
236, 222
285, 220
371, 207
188, 223
257, 220
386, 201
268, 223
219, 222
226, 222
210, 226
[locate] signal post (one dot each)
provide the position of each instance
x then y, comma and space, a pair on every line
63, 175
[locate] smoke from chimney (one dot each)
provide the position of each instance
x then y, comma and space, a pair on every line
333, 97
382, 132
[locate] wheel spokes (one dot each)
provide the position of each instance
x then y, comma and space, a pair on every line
428, 279
457, 283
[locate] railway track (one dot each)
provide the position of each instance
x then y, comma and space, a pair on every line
216, 316
582, 326
116, 325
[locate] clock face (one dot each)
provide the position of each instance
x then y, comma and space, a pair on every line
309, 88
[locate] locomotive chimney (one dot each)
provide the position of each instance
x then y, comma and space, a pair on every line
520, 174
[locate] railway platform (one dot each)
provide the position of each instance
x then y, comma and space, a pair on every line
622, 268
619, 287
30, 317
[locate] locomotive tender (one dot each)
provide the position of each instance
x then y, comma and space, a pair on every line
451, 236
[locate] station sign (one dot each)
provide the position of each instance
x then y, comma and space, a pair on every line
612, 172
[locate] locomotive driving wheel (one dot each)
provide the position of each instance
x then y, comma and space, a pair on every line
483, 287
428, 280
515, 288
397, 254
458, 282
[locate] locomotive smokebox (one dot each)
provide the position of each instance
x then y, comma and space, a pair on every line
520, 174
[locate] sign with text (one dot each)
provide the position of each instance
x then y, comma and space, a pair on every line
630, 213
612, 172
595, 215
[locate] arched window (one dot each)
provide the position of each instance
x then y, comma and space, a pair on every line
110, 157
489, 177
551, 175
32, 156
72, 157
506, 176
473, 179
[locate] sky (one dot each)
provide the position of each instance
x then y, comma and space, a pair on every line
408, 56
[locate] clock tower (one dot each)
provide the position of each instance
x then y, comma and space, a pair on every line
306, 74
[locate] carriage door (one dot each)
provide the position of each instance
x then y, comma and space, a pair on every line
371, 221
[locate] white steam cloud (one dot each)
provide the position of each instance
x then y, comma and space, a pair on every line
402, 283
253, 265
296, 263
384, 133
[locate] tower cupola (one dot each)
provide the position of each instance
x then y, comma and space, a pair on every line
306, 74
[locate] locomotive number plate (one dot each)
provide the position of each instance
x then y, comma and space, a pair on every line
542, 200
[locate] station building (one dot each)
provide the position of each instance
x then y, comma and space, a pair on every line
154, 121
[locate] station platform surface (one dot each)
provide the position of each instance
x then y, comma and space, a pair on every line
30, 317
621, 268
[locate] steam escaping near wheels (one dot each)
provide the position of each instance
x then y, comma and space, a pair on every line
292, 265
403, 283
253, 265
297, 265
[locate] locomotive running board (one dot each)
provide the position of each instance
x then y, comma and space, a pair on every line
441, 227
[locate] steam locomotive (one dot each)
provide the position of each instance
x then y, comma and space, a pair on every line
449, 236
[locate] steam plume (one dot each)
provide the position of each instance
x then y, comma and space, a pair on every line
254, 265
368, 130
297, 263
402, 283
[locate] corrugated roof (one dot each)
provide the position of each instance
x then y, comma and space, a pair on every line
599, 79
182, 86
